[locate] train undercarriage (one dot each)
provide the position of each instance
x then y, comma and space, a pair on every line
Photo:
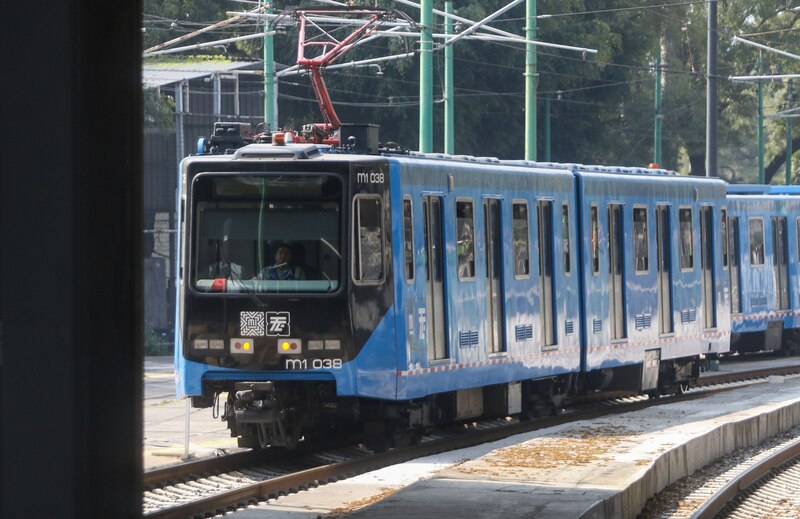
269, 414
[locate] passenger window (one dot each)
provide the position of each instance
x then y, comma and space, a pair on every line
566, 238
595, 241
797, 225
723, 227
687, 238
521, 243
408, 240
465, 248
641, 253
756, 233
368, 242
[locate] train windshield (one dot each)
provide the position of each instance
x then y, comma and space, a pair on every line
266, 233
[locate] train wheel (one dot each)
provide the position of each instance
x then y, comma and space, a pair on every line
377, 436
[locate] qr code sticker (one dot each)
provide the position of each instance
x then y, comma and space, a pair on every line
251, 324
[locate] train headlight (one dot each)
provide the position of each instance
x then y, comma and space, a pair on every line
316, 345
333, 344
242, 346
290, 346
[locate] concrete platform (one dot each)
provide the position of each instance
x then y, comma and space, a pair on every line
165, 421
604, 468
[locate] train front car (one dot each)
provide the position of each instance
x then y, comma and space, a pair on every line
271, 321
764, 238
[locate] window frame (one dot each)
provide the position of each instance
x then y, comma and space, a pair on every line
726, 253
750, 220
409, 239
594, 238
797, 235
681, 256
566, 252
473, 277
636, 270
356, 238
522, 202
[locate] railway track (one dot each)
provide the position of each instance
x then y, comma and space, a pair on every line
766, 486
222, 484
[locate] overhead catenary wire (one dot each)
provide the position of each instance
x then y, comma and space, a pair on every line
208, 44
185, 37
765, 47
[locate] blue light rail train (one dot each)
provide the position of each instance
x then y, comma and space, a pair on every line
764, 244
423, 289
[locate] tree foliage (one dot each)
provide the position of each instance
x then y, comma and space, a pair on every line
602, 106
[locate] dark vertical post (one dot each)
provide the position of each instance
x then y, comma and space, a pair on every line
449, 85
531, 80
760, 122
547, 129
711, 94
789, 133
71, 303
659, 117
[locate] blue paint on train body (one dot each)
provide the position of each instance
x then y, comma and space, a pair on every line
466, 362
765, 231
618, 335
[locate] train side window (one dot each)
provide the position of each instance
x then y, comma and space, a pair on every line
408, 240
755, 228
797, 225
687, 238
595, 240
368, 256
641, 252
519, 215
723, 227
566, 238
465, 247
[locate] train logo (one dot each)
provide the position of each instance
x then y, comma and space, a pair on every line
278, 324
251, 324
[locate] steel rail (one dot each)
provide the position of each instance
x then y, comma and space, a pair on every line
712, 506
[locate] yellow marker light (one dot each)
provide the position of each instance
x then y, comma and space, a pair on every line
247, 346
285, 346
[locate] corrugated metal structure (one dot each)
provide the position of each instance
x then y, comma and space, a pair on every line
204, 92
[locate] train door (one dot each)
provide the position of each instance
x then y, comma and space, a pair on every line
616, 282
544, 210
495, 321
707, 264
664, 253
733, 247
434, 277
780, 262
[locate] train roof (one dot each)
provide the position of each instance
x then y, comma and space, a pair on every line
762, 189
321, 152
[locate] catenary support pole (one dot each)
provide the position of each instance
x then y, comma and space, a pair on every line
659, 117
711, 92
760, 129
449, 87
270, 97
531, 80
426, 78
789, 133
547, 129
